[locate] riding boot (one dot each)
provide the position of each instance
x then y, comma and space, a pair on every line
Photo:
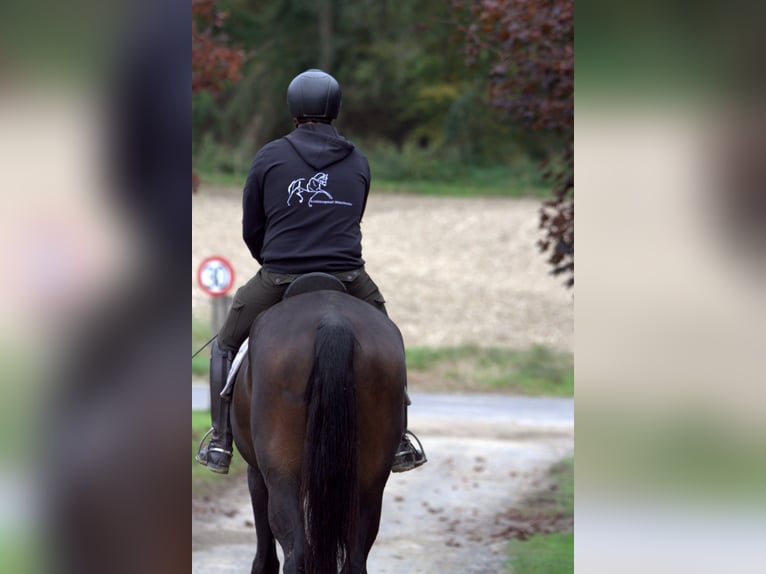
408, 456
216, 455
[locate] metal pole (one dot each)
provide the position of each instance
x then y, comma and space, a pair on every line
220, 309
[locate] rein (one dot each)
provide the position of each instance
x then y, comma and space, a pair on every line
203, 346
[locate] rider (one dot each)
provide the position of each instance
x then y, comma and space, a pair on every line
302, 205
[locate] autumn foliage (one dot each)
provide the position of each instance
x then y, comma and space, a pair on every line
527, 47
213, 61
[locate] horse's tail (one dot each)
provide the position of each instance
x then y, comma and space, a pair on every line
329, 486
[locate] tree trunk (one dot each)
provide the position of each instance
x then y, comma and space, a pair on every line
326, 35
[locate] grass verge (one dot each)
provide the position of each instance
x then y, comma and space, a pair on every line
694, 453
558, 499
543, 541
543, 554
236, 181
536, 371
482, 183
467, 188
20, 552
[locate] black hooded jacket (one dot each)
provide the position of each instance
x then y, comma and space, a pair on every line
303, 202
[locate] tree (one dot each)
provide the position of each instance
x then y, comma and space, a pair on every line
213, 62
527, 47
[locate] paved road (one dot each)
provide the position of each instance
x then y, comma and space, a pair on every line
501, 409
486, 452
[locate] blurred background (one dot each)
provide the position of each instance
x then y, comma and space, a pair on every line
416, 81
669, 302
669, 312
95, 114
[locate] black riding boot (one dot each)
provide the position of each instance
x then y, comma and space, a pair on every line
216, 455
408, 456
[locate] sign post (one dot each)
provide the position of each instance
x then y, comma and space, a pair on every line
216, 278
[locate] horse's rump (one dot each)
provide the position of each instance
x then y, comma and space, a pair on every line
322, 408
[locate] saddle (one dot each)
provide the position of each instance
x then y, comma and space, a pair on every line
303, 284
314, 282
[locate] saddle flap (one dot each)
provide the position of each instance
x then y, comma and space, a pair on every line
314, 282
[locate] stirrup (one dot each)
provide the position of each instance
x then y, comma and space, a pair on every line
201, 456
412, 457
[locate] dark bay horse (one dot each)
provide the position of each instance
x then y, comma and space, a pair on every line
317, 413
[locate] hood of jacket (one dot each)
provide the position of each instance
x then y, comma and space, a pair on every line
319, 145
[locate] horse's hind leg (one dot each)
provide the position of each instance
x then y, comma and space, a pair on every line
286, 521
369, 521
265, 561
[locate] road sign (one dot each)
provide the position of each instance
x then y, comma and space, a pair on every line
215, 276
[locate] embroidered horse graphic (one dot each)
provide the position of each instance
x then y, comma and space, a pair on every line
315, 187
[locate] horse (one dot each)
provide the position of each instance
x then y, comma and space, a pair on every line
315, 186
317, 414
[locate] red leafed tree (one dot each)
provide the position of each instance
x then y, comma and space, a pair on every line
213, 61
529, 47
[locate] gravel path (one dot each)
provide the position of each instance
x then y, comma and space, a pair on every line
448, 517
453, 270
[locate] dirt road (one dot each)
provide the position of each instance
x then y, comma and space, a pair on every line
454, 271
485, 454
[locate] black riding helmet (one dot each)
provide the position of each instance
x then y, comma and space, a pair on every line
314, 95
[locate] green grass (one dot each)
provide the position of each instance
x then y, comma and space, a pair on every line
534, 371
201, 477
557, 499
200, 333
543, 554
480, 182
547, 553
560, 500
20, 551
462, 188
697, 453
233, 180
537, 371
200, 365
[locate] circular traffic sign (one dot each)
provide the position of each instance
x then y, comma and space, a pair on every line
215, 276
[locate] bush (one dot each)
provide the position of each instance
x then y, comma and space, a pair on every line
443, 164
212, 157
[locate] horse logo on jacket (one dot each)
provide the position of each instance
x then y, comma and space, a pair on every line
315, 188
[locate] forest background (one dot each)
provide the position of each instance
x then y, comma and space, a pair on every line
451, 98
